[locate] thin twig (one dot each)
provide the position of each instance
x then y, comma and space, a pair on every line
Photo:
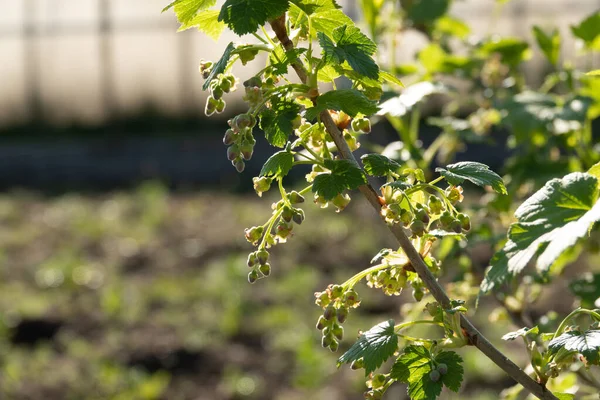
474, 336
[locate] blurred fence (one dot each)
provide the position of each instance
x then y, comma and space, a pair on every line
89, 60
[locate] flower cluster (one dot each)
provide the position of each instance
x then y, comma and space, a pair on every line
336, 303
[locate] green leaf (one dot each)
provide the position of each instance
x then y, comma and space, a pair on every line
426, 11
207, 22
512, 50
328, 74
586, 343
587, 289
378, 165
324, 16
549, 223
352, 46
453, 379
246, 16
415, 364
220, 66
589, 31
550, 44
479, 174
277, 121
278, 165
186, 10
282, 59
595, 72
350, 101
521, 333
374, 346
452, 26
344, 175
385, 76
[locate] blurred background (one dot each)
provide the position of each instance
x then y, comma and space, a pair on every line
122, 254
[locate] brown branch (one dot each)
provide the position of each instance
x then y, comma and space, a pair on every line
474, 336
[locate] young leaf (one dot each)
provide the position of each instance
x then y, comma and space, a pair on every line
207, 22
549, 44
589, 31
521, 333
479, 174
278, 165
374, 346
186, 10
378, 165
324, 16
385, 76
350, 101
549, 223
277, 121
415, 365
427, 11
246, 16
586, 343
351, 45
219, 66
344, 175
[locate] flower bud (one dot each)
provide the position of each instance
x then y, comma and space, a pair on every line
446, 219
434, 375
296, 198
465, 221
341, 201
342, 314
418, 293
336, 291
322, 323
254, 234
287, 214
253, 276
247, 150
417, 228
262, 256
338, 332
265, 269
252, 259
422, 215
456, 226
239, 165
326, 340
435, 205
322, 299
334, 346
442, 368
378, 381
329, 313
229, 137
357, 364
298, 216
261, 184
406, 217
220, 106
217, 92
351, 298
233, 152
